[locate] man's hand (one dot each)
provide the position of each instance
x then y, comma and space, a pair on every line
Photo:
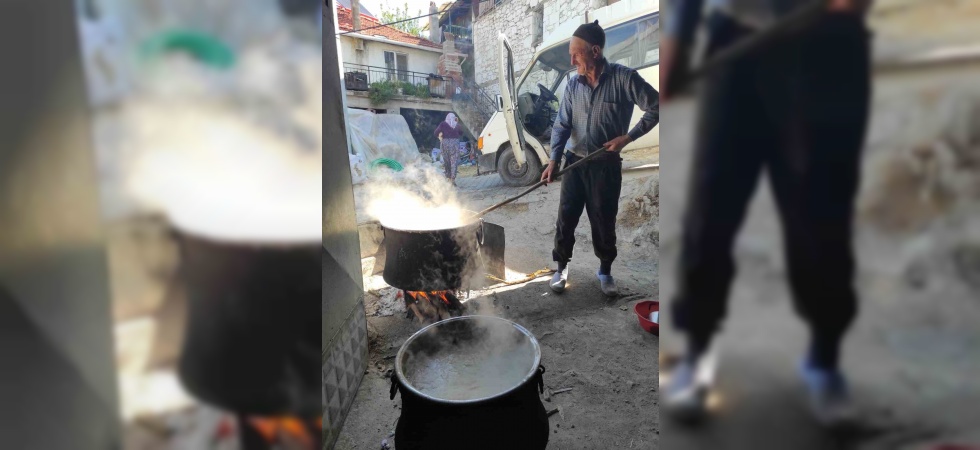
617, 144
668, 56
548, 171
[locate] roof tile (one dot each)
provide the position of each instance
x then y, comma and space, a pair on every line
345, 20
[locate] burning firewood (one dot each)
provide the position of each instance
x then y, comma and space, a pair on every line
431, 307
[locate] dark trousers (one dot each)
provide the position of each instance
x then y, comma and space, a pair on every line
594, 187
799, 110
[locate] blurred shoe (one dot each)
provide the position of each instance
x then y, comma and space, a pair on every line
607, 284
686, 397
559, 280
830, 400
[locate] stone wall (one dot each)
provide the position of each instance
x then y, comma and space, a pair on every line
515, 19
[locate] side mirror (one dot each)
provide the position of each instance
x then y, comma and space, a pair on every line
500, 102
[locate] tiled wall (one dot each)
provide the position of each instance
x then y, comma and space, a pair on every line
343, 370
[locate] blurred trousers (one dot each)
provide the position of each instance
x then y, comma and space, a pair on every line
798, 109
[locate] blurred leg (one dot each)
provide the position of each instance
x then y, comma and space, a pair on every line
816, 178
732, 137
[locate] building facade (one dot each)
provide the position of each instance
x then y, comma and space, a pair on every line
422, 79
526, 23
382, 54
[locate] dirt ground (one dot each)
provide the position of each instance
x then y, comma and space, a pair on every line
589, 343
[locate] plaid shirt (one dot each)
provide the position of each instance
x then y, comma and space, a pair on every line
588, 118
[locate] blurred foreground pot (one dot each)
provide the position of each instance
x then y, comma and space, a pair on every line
250, 340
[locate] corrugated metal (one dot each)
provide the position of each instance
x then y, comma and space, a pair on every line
344, 325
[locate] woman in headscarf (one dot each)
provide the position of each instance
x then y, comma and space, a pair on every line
449, 133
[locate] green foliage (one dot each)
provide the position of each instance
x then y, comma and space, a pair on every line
382, 91
416, 90
394, 15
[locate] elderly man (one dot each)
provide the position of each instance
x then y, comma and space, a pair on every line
594, 116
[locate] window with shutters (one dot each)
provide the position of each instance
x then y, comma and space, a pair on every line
397, 66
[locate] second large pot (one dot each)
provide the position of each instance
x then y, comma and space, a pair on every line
431, 260
470, 382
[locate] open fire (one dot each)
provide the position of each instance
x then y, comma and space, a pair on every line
431, 307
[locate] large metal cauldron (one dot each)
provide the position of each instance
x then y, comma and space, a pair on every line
431, 260
470, 382
251, 339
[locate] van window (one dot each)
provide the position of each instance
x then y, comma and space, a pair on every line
634, 44
547, 69
648, 47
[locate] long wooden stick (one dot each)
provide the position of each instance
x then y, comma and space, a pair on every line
540, 183
533, 276
795, 22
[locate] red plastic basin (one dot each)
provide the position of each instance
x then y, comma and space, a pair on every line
643, 311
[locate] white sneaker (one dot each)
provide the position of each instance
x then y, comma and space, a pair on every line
559, 280
607, 284
687, 396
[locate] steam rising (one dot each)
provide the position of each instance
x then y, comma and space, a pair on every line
233, 155
474, 358
416, 199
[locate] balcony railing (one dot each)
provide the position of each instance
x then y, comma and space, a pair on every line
462, 34
358, 77
479, 98
489, 5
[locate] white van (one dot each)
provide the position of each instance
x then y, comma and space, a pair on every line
632, 39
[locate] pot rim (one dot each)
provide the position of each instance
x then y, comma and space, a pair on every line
476, 221
403, 380
244, 244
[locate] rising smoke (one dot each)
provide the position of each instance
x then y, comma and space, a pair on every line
231, 154
470, 358
417, 199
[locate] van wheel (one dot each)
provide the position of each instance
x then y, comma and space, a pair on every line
515, 175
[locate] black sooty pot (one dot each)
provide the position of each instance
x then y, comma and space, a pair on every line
430, 260
470, 382
250, 340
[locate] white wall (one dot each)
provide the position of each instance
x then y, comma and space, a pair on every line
348, 55
422, 61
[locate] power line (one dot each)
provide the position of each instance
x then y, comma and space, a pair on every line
400, 21
386, 24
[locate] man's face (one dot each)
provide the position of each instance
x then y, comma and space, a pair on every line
584, 55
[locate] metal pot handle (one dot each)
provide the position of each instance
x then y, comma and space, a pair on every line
480, 232
540, 379
395, 385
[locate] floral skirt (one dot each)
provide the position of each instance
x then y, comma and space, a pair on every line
450, 157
